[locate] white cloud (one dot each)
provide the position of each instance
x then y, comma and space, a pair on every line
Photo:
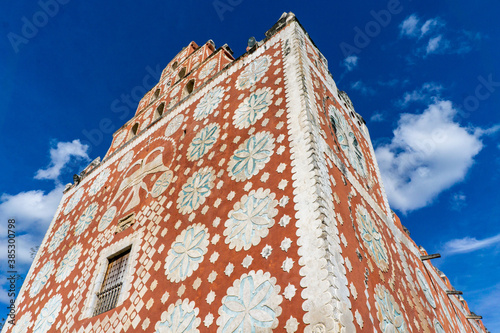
32, 209
488, 131
350, 62
428, 26
429, 92
409, 27
60, 156
436, 44
428, 154
469, 244
362, 88
377, 117
458, 201
434, 36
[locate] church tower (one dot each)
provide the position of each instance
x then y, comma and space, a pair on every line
243, 196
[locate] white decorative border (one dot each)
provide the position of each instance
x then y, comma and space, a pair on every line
324, 280
134, 242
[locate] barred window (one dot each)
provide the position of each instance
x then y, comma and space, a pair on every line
112, 284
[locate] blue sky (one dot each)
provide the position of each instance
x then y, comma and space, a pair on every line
424, 75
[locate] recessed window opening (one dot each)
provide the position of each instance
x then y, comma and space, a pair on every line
182, 73
159, 110
133, 131
188, 88
174, 65
111, 287
156, 94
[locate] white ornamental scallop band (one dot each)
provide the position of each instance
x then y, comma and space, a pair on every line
425, 288
106, 219
388, 312
187, 252
195, 191
180, 317
252, 304
73, 201
372, 238
253, 72
23, 324
251, 156
58, 237
162, 183
347, 141
41, 278
85, 219
208, 103
48, 314
202, 142
207, 70
68, 263
250, 219
253, 108
99, 182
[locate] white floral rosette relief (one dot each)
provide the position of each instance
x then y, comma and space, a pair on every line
250, 219
208, 103
253, 72
106, 219
347, 141
425, 288
99, 181
23, 323
125, 161
207, 69
73, 201
179, 318
48, 314
58, 237
41, 278
68, 263
187, 252
253, 108
251, 156
86, 218
388, 312
202, 142
438, 327
372, 238
195, 191
174, 125
252, 304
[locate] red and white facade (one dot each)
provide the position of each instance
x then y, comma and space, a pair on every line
251, 201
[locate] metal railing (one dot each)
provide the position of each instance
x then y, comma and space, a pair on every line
107, 299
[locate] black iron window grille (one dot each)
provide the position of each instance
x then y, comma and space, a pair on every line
108, 296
